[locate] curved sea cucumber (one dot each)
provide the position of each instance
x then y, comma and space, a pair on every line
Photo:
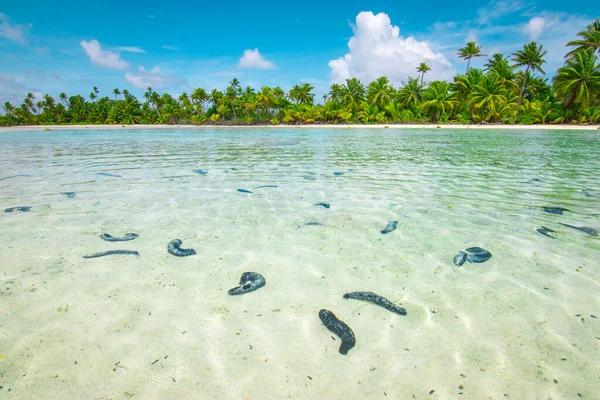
125, 238
175, 249
249, 282
473, 255
390, 227
340, 328
325, 205
376, 299
112, 252
18, 208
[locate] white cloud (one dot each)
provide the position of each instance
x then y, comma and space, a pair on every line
169, 47
130, 49
103, 58
252, 59
13, 32
497, 9
155, 78
472, 36
377, 49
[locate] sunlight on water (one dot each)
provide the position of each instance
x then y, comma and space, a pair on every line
521, 325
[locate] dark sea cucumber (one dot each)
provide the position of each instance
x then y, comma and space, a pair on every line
338, 173
547, 232
18, 209
112, 253
554, 210
244, 191
175, 249
70, 195
376, 299
472, 255
107, 174
585, 229
339, 328
390, 227
325, 205
249, 282
200, 172
125, 238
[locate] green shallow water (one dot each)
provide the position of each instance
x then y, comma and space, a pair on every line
521, 325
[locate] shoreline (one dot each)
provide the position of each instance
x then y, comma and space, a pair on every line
311, 126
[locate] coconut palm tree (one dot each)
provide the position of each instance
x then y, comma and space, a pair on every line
590, 39
437, 99
116, 92
469, 51
423, 68
488, 97
302, 94
380, 92
531, 57
409, 95
353, 93
578, 79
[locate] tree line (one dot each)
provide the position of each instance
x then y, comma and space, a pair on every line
509, 89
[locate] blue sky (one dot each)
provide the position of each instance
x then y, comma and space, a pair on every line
53, 47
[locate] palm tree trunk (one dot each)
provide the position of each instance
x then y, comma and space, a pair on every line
523, 86
468, 65
422, 74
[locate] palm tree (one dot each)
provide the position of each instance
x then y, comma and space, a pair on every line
423, 68
380, 92
437, 99
116, 92
409, 95
590, 39
532, 56
469, 51
578, 79
302, 94
353, 93
488, 97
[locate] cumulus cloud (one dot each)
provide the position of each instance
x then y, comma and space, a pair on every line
536, 26
154, 78
130, 49
103, 58
377, 49
252, 59
13, 32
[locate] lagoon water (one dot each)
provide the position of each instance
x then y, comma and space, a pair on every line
522, 325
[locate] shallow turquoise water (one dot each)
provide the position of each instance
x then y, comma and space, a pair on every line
510, 326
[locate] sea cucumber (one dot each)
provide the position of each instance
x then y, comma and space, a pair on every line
338, 173
472, 254
390, 227
200, 172
589, 231
554, 210
107, 174
175, 249
125, 238
547, 232
19, 209
112, 252
249, 282
376, 299
244, 191
340, 328
70, 195
325, 205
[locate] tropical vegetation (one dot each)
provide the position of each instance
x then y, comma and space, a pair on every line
509, 89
